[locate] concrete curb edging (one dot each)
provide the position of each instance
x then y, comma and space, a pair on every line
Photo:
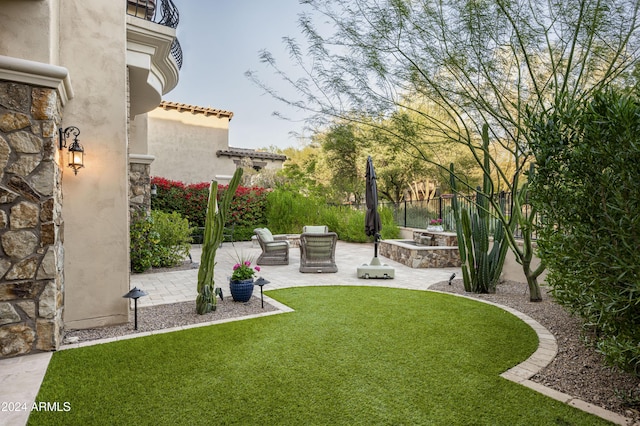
280, 309
546, 352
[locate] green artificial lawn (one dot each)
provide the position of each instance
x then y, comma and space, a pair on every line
347, 356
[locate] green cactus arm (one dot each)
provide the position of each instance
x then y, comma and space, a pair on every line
213, 235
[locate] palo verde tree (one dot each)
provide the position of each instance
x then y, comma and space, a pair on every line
341, 145
478, 62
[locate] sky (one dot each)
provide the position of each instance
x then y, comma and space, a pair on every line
221, 40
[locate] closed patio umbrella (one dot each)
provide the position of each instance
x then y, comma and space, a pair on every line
372, 225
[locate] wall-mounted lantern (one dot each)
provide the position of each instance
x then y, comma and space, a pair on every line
76, 151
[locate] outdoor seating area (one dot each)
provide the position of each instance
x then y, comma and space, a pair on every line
348, 257
318, 249
275, 249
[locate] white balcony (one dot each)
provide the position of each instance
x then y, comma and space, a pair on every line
153, 56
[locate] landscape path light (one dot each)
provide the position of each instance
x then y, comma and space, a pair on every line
135, 294
261, 282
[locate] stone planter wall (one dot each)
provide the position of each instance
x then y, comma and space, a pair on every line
31, 255
441, 239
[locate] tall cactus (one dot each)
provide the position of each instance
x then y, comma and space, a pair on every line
213, 236
481, 267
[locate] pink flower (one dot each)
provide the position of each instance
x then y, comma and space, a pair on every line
257, 268
236, 266
246, 262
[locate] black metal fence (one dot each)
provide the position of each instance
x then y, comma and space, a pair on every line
418, 214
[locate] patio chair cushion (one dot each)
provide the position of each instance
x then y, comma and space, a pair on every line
320, 229
276, 246
265, 235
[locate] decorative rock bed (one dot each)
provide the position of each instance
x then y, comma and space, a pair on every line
426, 250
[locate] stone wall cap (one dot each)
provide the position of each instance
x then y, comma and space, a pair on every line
141, 158
37, 73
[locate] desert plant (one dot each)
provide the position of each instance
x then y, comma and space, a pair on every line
481, 267
213, 235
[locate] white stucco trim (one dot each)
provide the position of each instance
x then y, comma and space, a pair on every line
37, 74
153, 71
141, 158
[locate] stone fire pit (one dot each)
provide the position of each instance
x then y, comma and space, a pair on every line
426, 250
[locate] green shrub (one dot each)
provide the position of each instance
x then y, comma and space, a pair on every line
586, 187
289, 211
158, 240
248, 208
390, 230
174, 238
144, 239
244, 233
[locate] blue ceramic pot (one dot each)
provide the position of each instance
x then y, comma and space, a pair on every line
242, 290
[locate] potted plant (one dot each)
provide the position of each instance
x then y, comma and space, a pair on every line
435, 225
241, 282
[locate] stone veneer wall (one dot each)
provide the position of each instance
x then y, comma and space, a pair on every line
420, 257
139, 189
31, 255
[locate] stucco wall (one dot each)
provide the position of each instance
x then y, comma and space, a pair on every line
138, 135
93, 48
185, 144
38, 20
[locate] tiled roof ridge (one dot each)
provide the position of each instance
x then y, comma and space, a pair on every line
194, 109
252, 153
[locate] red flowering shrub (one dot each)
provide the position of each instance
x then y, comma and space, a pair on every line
248, 207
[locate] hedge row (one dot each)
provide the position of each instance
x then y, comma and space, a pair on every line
248, 208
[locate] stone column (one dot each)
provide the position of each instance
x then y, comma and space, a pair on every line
31, 260
139, 185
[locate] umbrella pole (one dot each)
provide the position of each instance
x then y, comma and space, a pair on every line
375, 246
375, 261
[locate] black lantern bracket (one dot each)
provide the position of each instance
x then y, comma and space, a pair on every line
76, 151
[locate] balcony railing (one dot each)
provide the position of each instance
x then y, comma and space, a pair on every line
167, 15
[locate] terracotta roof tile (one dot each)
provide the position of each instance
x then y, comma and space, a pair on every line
244, 152
194, 109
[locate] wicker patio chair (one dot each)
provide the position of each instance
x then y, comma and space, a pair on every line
274, 251
318, 249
